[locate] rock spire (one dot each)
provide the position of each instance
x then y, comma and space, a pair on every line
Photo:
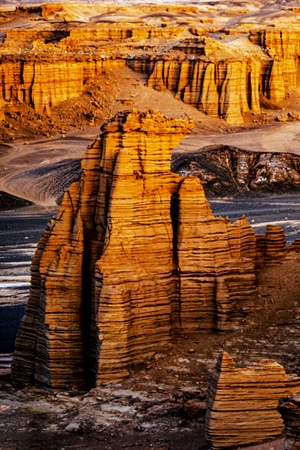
133, 256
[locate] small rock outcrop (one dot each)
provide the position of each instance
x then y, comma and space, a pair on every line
289, 409
227, 170
271, 246
242, 402
133, 256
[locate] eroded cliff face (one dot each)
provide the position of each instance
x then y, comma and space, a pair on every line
45, 83
133, 256
220, 88
225, 84
225, 70
242, 402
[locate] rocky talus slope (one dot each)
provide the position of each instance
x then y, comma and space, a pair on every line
133, 256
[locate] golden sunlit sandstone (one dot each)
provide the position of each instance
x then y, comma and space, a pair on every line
242, 402
215, 261
271, 246
224, 62
218, 88
133, 256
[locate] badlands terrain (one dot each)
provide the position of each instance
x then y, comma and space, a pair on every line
67, 68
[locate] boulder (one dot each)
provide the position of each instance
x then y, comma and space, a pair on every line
242, 402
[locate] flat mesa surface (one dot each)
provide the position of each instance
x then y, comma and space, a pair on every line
155, 407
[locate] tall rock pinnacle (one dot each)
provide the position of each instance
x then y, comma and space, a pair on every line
133, 256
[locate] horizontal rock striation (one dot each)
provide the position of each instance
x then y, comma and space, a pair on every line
133, 256
215, 262
271, 246
289, 409
242, 402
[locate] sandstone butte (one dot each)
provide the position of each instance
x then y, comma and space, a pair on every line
242, 404
133, 256
255, 66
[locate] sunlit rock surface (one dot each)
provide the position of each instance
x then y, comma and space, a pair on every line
242, 402
224, 66
133, 256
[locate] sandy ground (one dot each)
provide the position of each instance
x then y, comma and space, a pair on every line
282, 138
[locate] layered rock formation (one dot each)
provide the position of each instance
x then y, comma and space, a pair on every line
219, 88
222, 84
242, 402
283, 48
226, 170
134, 255
32, 82
215, 290
198, 63
271, 246
289, 409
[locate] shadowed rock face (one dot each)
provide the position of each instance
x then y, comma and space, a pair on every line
133, 256
242, 402
289, 409
226, 170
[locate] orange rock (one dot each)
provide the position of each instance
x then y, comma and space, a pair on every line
215, 77
271, 247
216, 268
134, 255
242, 402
